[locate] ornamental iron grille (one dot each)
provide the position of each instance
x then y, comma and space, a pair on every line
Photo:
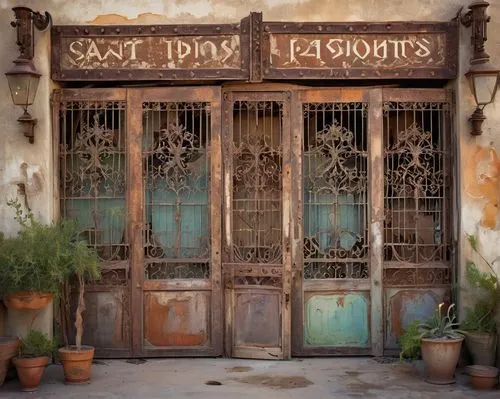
335, 190
176, 163
417, 192
257, 184
93, 169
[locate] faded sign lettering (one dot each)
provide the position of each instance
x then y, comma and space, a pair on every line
147, 52
359, 50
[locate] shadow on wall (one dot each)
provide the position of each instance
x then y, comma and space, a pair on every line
482, 181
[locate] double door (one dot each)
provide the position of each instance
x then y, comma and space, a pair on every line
245, 221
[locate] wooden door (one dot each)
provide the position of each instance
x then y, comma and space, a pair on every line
256, 250
337, 300
175, 185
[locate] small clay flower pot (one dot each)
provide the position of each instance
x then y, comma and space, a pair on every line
8, 349
30, 371
77, 363
482, 377
28, 300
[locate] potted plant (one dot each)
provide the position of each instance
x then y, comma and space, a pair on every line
77, 359
34, 263
439, 342
441, 345
479, 322
43, 258
34, 355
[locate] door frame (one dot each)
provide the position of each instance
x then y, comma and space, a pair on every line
232, 269
139, 286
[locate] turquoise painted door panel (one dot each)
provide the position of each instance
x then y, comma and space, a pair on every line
179, 221
102, 220
337, 320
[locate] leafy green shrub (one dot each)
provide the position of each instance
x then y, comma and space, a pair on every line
410, 342
37, 344
482, 315
42, 256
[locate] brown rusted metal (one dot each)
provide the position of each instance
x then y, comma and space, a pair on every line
260, 186
256, 222
393, 50
255, 46
180, 221
159, 52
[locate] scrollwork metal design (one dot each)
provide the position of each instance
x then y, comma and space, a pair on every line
335, 190
257, 182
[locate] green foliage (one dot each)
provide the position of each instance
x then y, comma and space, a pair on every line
441, 327
410, 342
42, 256
37, 344
481, 317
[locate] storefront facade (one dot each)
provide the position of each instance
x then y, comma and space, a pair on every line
260, 189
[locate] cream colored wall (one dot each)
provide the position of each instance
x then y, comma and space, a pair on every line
479, 165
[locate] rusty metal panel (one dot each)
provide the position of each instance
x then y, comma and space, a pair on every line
154, 52
338, 319
176, 319
106, 321
252, 320
403, 306
359, 50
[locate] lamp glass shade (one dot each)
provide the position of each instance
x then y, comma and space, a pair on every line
23, 87
484, 86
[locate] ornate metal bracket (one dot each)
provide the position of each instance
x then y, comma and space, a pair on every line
25, 22
477, 18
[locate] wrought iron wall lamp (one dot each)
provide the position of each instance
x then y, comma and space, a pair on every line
23, 77
483, 77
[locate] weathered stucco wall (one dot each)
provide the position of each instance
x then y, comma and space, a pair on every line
478, 157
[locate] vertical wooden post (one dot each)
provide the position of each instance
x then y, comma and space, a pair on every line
376, 189
215, 219
227, 192
135, 205
287, 210
296, 228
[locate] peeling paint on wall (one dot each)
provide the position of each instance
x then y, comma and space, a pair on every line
482, 181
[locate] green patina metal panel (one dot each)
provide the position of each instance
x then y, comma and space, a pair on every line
337, 320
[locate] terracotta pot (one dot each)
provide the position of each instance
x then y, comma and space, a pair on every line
77, 363
440, 359
30, 371
482, 347
28, 300
482, 377
8, 349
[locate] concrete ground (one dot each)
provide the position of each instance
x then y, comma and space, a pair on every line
240, 379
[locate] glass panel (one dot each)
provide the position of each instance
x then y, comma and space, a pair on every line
93, 174
176, 139
334, 168
417, 194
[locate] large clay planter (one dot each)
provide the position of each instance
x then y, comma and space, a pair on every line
30, 371
28, 300
77, 363
483, 377
482, 347
8, 350
440, 359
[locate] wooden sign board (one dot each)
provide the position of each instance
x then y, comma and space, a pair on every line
168, 52
360, 51
255, 50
